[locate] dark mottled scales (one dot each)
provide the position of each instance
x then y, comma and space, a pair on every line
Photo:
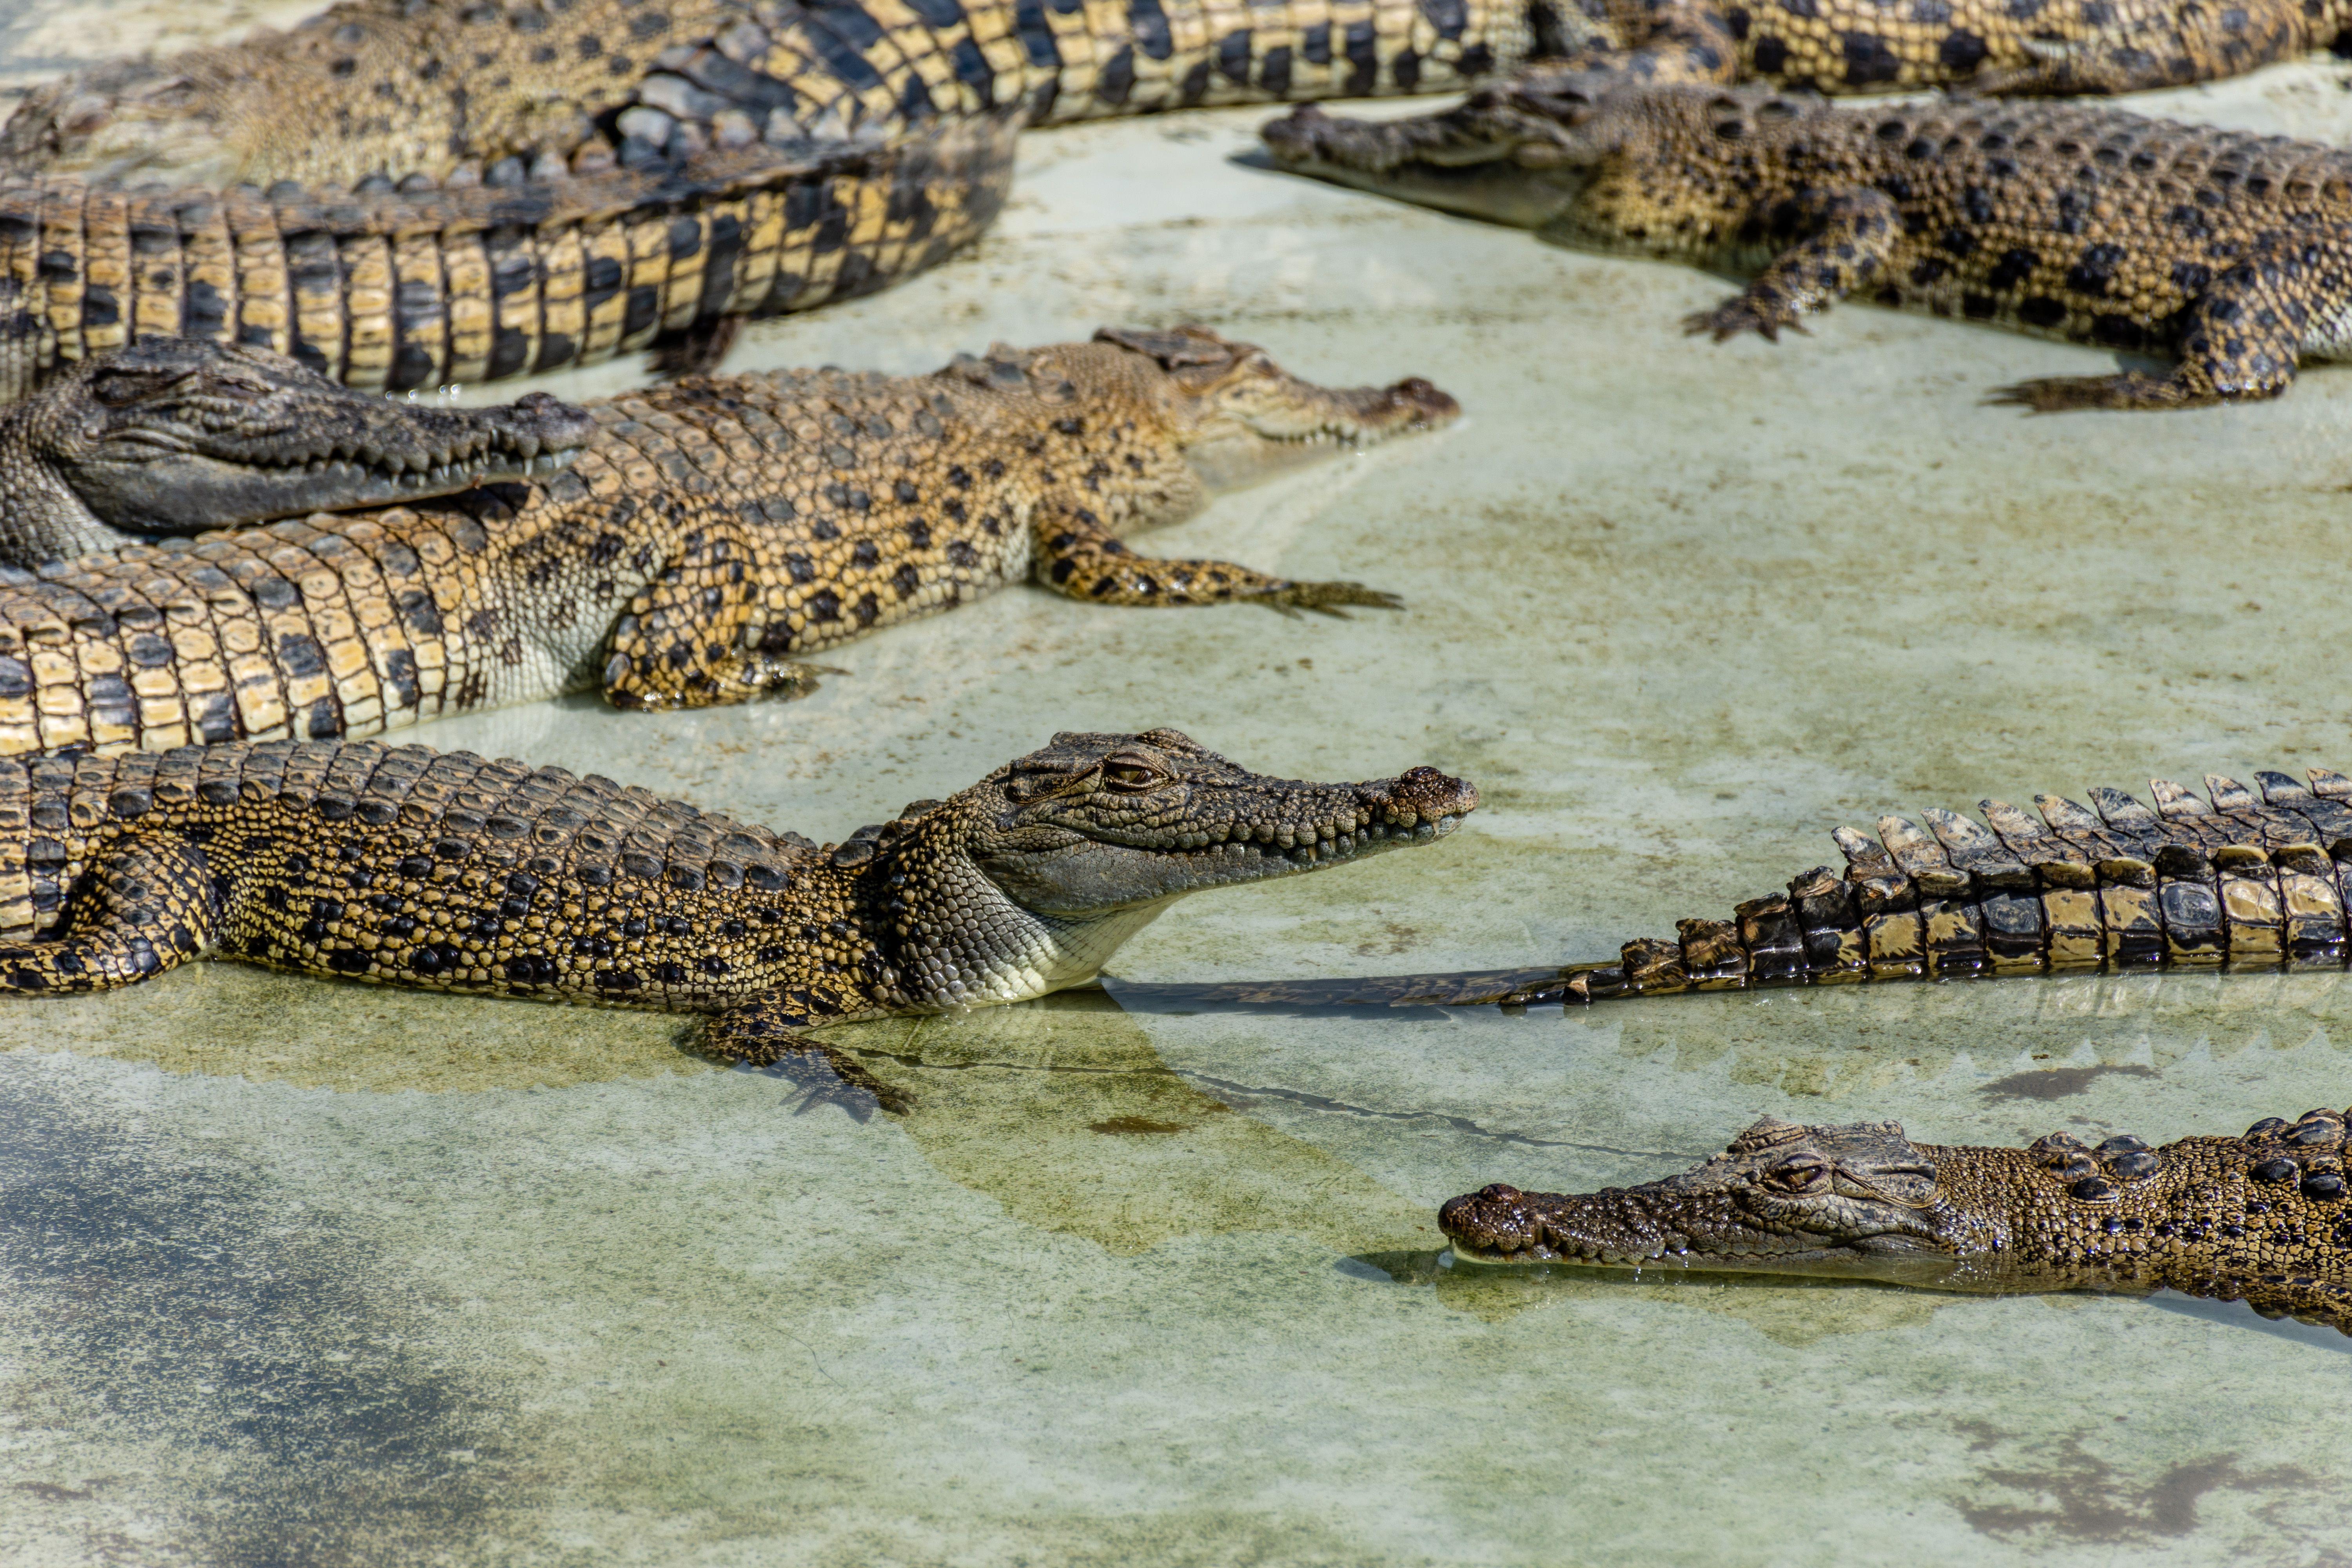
710, 534
554, 195
445, 870
1991, 45
2261, 1219
2228, 252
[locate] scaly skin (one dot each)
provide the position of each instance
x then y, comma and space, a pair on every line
443, 872
2261, 1219
2228, 252
2006, 47
549, 213
175, 436
711, 535
2250, 882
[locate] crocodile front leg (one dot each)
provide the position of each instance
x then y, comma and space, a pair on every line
1848, 238
769, 1032
1078, 557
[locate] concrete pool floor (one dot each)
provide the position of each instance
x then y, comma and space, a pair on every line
309, 1273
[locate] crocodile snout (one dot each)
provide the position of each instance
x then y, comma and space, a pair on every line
1423, 794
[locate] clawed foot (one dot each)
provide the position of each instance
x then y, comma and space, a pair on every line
1324, 598
784, 679
2062, 393
826, 1077
1764, 316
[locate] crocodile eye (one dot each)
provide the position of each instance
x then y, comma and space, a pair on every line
1130, 775
117, 390
1799, 1172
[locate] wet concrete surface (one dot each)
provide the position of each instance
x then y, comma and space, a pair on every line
308, 1273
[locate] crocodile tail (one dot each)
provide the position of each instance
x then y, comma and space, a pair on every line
1094, 60
2255, 877
474, 284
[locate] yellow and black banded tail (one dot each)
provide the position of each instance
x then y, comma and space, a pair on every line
397, 290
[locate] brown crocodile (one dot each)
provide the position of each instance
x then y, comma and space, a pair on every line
404, 193
413, 868
2261, 1219
2228, 252
171, 436
2258, 880
710, 536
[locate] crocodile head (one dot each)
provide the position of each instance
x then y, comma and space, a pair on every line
121, 118
1856, 1201
1226, 413
1027, 881
1520, 153
178, 435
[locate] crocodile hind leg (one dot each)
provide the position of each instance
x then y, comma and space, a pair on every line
1076, 556
2238, 340
770, 1033
1846, 238
147, 905
694, 639
2164, 45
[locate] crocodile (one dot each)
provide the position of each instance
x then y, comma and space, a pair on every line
2260, 1218
404, 866
711, 535
175, 436
2226, 252
405, 193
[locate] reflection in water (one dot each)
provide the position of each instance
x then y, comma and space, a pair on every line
1787, 1312
1853, 1042
1062, 1112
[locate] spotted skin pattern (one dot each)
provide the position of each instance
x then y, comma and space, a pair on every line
2260, 1218
406, 194
711, 535
2022, 47
2228, 252
446, 871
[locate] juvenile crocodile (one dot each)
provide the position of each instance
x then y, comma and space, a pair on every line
173, 436
2228, 252
584, 177
413, 868
2260, 1218
710, 534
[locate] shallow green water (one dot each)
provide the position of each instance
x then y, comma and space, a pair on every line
309, 1273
